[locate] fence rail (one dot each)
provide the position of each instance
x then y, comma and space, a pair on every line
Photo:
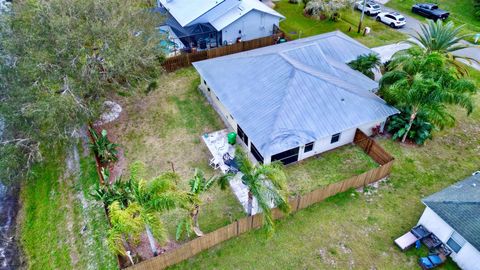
185, 60
191, 248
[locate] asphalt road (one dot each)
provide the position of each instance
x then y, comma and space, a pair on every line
413, 26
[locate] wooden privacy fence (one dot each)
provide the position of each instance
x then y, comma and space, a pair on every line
246, 224
185, 60
371, 148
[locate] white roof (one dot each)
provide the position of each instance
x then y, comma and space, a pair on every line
185, 11
241, 9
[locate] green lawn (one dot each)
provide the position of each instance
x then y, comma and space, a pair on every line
327, 168
297, 25
61, 226
461, 12
355, 230
166, 125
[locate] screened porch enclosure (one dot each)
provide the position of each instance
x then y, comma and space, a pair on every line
287, 157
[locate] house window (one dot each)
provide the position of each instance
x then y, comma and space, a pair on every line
256, 153
335, 138
308, 147
287, 157
456, 242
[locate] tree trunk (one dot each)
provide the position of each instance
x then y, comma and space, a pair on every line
410, 122
250, 204
196, 226
151, 240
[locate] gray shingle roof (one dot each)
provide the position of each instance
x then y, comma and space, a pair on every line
459, 206
297, 92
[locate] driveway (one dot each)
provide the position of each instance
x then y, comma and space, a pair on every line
412, 27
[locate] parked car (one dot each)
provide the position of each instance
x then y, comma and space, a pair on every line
394, 19
371, 8
430, 11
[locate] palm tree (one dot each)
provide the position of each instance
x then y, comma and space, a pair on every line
424, 83
267, 183
365, 63
125, 224
443, 38
153, 198
135, 206
199, 184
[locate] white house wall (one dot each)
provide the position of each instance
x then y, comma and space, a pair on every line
254, 24
468, 258
346, 137
320, 146
436, 224
217, 105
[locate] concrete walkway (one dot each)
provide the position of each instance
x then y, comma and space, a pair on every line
241, 192
386, 52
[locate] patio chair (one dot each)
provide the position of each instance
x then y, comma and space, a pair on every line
215, 163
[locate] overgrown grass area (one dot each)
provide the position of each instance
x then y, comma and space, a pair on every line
297, 25
327, 168
461, 12
356, 230
164, 127
61, 226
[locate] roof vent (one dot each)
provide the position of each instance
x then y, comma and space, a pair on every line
474, 184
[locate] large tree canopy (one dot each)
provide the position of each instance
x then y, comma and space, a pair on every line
59, 59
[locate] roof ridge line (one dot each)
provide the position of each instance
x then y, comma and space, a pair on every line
455, 202
329, 78
292, 74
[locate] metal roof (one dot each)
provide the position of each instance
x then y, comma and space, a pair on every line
297, 92
221, 13
185, 11
241, 9
459, 206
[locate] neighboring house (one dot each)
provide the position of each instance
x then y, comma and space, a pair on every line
297, 99
213, 23
453, 215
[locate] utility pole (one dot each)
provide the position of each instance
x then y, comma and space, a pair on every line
361, 17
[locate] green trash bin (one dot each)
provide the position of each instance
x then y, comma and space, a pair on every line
232, 138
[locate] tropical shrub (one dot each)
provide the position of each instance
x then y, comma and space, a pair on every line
420, 131
365, 63
102, 147
425, 84
320, 9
